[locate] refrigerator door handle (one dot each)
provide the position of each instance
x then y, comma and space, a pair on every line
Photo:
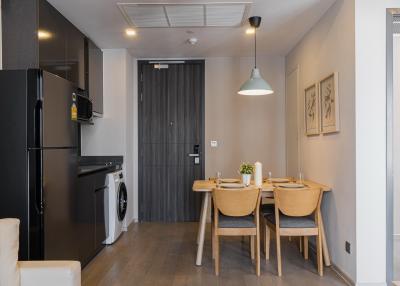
38, 188
38, 123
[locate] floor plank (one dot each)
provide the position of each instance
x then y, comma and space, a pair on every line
164, 254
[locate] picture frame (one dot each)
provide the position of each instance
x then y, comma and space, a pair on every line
329, 104
311, 110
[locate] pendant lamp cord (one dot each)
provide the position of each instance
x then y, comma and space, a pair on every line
255, 47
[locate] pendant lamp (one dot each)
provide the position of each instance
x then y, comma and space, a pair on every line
256, 85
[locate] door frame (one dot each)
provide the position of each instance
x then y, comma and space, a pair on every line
140, 64
389, 145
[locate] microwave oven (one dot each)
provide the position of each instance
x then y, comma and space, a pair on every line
84, 108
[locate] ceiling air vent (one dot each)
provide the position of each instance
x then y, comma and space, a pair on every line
177, 15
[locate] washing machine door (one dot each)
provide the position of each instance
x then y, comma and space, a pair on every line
122, 201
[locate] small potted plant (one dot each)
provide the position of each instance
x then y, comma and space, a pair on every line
246, 170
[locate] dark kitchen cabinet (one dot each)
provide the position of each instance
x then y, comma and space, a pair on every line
36, 35
91, 214
86, 219
94, 76
52, 40
75, 56
100, 216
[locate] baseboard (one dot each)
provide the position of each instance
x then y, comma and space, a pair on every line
372, 284
127, 223
334, 267
342, 275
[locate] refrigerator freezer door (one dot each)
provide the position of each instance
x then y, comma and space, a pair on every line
58, 128
61, 235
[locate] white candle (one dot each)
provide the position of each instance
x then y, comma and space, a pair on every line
258, 174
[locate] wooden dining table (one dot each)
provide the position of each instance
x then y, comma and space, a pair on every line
205, 187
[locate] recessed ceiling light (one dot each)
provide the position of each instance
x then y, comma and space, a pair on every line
44, 35
130, 32
250, 31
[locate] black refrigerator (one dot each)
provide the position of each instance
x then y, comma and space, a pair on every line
38, 156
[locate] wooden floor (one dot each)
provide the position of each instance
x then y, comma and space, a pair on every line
164, 254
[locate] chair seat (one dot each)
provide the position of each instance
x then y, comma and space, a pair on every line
236, 222
267, 209
292, 222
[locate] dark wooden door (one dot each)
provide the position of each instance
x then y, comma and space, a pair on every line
171, 127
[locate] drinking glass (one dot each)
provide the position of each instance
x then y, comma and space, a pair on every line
301, 177
219, 174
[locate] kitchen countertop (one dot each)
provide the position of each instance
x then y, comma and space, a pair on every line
84, 170
93, 164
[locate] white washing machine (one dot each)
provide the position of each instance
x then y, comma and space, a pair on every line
116, 200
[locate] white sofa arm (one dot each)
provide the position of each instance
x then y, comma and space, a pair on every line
50, 273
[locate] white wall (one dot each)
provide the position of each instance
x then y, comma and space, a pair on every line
112, 135
327, 48
370, 27
248, 129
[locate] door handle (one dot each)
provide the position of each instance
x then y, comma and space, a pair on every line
194, 155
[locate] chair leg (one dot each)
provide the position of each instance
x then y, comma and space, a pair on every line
216, 261
305, 239
301, 244
258, 252
213, 240
267, 239
320, 262
278, 253
252, 247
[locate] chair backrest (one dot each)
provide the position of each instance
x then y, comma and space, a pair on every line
297, 202
236, 202
9, 244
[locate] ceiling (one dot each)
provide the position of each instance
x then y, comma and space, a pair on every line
284, 23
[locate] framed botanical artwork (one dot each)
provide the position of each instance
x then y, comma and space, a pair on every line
311, 110
329, 99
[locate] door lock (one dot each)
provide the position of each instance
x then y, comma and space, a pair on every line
195, 154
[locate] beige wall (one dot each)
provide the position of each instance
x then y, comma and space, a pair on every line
247, 129
330, 47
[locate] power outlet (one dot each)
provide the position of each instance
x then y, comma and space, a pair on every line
348, 247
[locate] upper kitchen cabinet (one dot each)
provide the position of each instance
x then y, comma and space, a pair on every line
52, 38
36, 35
94, 76
75, 56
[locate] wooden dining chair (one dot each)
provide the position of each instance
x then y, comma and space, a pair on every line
297, 213
236, 213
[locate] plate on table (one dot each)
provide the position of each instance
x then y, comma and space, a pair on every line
291, 185
230, 181
278, 180
232, 186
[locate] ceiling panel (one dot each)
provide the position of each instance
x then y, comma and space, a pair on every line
225, 15
284, 23
162, 15
146, 16
185, 15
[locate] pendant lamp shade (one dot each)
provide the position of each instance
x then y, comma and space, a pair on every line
256, 85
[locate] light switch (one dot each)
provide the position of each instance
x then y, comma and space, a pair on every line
214, 144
